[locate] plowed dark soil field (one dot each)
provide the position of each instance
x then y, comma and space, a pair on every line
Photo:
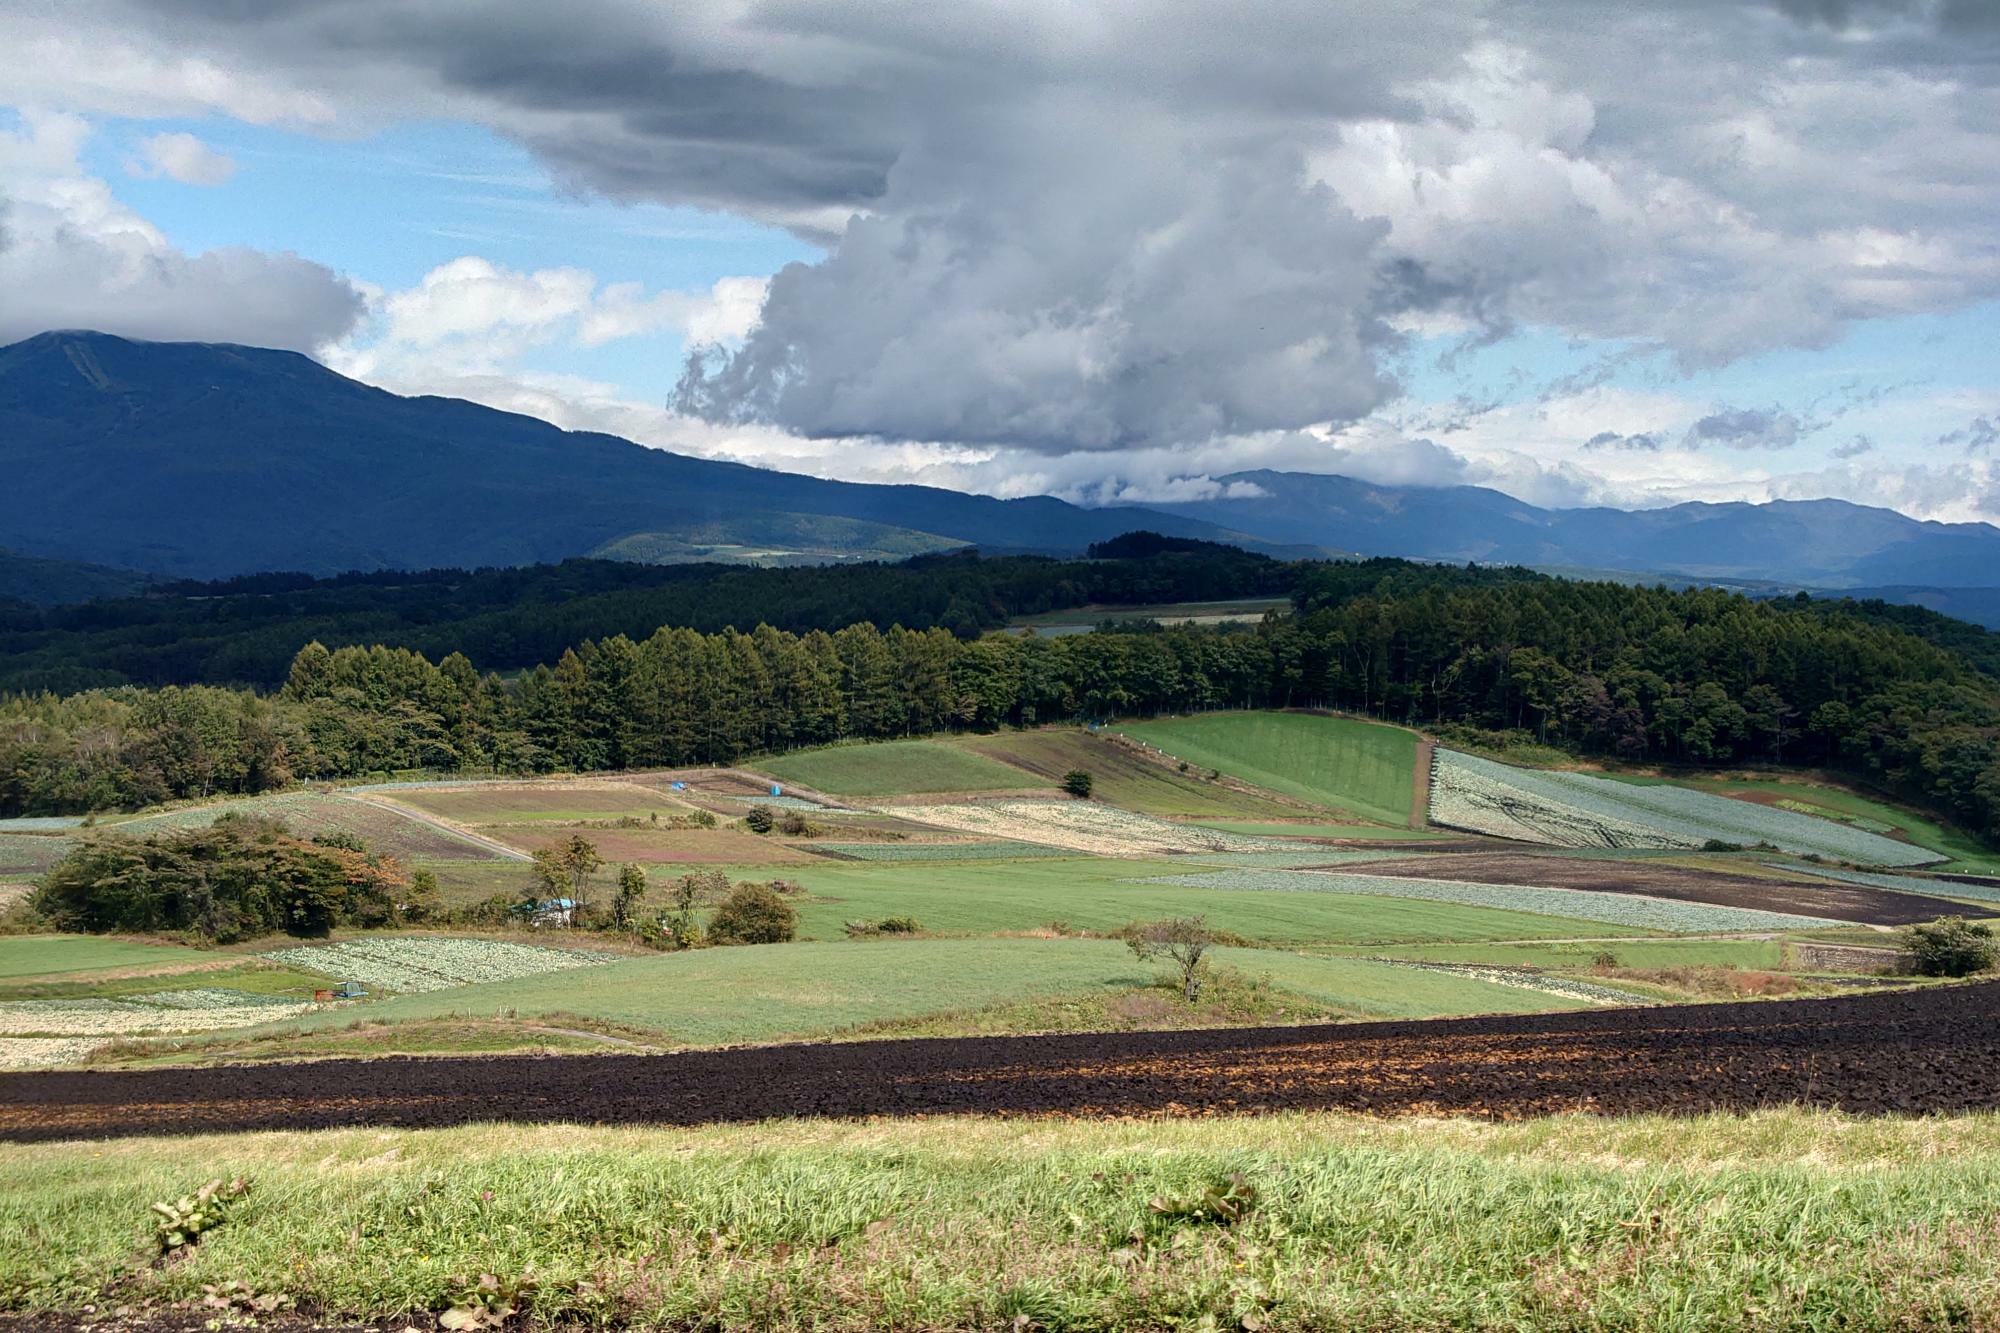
1900, 1052
1839, 902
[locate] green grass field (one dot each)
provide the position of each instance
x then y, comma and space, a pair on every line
1782, 1219
24, 956
896, 768
1094, 894
1341, 763
770, 992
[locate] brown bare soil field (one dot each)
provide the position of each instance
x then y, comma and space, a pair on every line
496, 804
1900, 1052
664, 846
1840, 902
1130, 777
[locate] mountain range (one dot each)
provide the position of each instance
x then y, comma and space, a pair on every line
1818, 543
201, 460
209, 460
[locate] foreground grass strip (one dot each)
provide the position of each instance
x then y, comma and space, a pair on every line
1781, 1219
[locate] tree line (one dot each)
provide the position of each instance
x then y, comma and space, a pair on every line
1697, 677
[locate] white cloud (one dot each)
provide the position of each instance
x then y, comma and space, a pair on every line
472, 320
73, 256
181, 157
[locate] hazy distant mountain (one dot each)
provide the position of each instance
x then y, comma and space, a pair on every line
1830, 543
206, 460
39, 581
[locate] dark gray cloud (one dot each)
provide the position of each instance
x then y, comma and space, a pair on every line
1161, 222
1977, 436
1745, 428
1645, 441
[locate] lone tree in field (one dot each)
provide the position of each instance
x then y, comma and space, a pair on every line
1077, 783
564, 869
1185, 940
631, 892
1950, 946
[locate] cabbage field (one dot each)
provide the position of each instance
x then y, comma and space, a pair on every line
415, 963
1580, 810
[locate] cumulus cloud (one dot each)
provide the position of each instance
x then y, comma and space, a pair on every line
471, 320
1854, 448
1744, 428
74, 257
1172, 221
181, 157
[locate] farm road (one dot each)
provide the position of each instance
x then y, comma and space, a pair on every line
1898, 1052
458, 831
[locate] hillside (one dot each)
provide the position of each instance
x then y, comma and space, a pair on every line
207, 460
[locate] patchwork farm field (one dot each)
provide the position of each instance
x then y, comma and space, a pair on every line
897, 768
1364, 768
1127, 777
569, 802
1893, 1052
1009, 904
1419, 1057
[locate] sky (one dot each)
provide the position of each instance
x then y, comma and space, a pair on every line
1583, 253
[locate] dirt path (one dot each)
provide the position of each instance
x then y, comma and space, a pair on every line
442, 825
1897, 1052
1420, 783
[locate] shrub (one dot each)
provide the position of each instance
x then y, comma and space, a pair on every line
1183, 940
753, 914
1718, 845
702, 819
795, 824
760, 819
1604, 960
1950, 946
1077, 782
888, 925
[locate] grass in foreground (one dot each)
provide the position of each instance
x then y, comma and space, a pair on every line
1780, 1219
1342, 763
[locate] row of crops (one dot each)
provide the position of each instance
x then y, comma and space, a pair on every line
432, 962
1617, 909
1581, 810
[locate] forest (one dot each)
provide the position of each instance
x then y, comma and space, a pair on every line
245, 631
1697, 677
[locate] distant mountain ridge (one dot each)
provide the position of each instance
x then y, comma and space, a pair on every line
208, 460
201, 460
1827, 543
